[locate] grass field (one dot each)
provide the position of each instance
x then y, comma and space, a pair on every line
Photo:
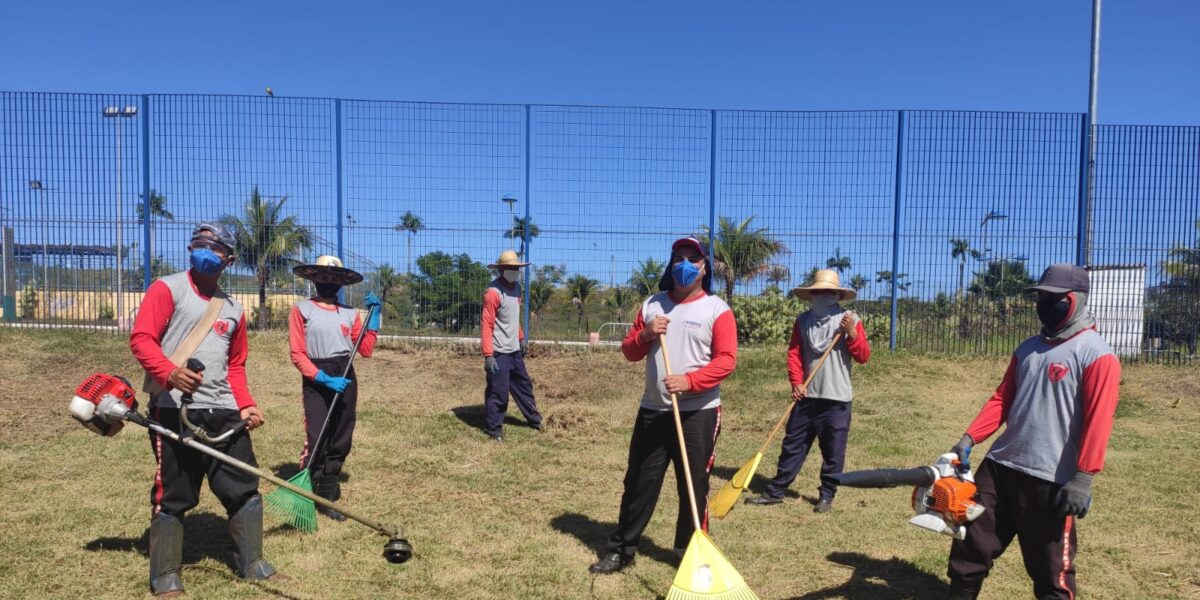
524, 519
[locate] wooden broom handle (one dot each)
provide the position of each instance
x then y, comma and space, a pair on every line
778, 424
687, 471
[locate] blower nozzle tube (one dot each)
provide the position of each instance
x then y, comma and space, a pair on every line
883, 478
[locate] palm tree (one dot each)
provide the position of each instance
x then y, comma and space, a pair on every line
811, 276
959, 250
266, 241
158, 210
385, 279
740, 253
580, 287
777, 274
620, 300
859, 283
540, 291
412, 224
517, 231
838, 262
645, 277
885, 277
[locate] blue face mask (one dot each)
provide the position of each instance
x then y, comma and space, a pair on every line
206, 262
684, 272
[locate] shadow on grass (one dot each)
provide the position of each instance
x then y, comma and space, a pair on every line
289, 470
892, 579
475, 415
594, 534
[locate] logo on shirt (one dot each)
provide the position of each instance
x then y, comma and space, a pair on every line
221, 327
1057, 372
345, 330
693, 324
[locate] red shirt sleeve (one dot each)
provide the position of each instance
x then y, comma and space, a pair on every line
298, 345
632, 346
487, 324
724, 355
795, 362
859, 347
148, 328
995, 411
238, 349
368, 344
1101, 381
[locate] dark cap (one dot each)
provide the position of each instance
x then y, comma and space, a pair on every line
1062, 278
690, 242
220, 234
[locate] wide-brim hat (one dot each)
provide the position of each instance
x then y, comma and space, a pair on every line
328, 269
508, 259
825, 280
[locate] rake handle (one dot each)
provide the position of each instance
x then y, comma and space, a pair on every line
783, 419
338, 396
687, 470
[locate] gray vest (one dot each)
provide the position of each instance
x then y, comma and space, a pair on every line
506, 335
832, 382
327, 333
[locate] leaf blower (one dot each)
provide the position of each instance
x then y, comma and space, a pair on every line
103, 403
943, 499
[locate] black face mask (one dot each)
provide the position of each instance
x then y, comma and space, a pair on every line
327, 290
1053, 311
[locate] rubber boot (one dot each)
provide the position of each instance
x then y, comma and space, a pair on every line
166, 556
245, 527
327, 487
964, 590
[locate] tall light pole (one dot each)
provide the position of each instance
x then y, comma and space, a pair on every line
36, 185
117, 113
1093, 97
510, 200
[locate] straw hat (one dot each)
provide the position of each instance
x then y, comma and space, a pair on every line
508, 258
328, 269
825, 280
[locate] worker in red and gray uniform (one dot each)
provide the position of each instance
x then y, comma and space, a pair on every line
701, 338
504, 348
1057, 400
221, 398
820, 410
321, 335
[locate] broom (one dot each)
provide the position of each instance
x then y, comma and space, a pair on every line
703, 572
290, 507
727, 497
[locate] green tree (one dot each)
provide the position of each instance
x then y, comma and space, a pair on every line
386, 280
859, 283
885, 277
838, 262
1173, 307
811, 276
620, 299
580, 287
959, 250
1003, 278
448, 290
542, 286
267, 242
645, 277
517, 231
158, 210
777, 274
741, 253
412, 225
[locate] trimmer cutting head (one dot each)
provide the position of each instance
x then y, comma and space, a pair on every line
397, 550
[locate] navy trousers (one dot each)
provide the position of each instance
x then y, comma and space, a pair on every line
511, 378
827, 421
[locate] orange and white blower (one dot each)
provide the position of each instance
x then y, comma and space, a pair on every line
943, 497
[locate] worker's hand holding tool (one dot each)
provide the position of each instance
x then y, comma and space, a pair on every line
963, 450
656, 327
677, 384
337, 384
371, 301
490, 366
253, 416
1075, 497
524, 347
799, 391
849, 321
185, 380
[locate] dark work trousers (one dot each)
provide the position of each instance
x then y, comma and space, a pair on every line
181, 470
511, 378
329, 458
1023, 506
653, 446
828, 421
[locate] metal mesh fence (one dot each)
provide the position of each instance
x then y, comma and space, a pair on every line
938, 219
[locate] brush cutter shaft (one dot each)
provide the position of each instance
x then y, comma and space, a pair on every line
884, 478
687, 470
237, 464
338, 396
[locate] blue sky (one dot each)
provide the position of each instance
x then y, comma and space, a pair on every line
1027, 55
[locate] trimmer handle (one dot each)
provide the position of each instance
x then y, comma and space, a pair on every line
193, 364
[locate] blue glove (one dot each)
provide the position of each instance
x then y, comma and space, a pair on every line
337, 384
372, 301
963, 450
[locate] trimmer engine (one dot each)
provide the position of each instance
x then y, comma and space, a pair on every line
101, 401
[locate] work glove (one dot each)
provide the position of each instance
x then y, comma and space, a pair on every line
524, 348
490, 365
337, 384
1075, 497
372, 301
963, 450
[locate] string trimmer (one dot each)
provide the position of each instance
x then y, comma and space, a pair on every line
102, 403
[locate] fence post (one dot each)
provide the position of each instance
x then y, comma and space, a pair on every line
147, 257
712, 186
896, 197
1083, 204
525, 233
337, 149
